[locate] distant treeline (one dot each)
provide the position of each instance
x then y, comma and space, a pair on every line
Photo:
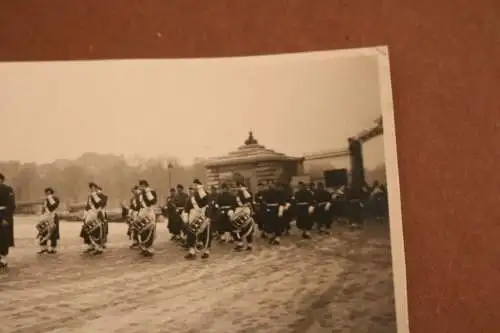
115, 174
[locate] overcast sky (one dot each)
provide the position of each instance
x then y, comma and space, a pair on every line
186, 108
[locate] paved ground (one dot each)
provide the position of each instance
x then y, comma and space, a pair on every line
339, 283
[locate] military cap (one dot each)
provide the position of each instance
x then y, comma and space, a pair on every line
49, 190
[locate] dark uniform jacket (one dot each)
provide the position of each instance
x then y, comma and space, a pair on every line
7, 208
51, 204
303, 200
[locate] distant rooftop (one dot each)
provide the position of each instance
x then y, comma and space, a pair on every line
250, 151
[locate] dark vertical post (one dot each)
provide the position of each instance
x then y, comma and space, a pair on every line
357, 168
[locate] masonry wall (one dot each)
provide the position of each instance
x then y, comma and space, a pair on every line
253, 173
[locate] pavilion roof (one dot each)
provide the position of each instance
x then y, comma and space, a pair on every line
251, 151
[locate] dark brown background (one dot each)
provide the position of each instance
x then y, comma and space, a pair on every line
446, 79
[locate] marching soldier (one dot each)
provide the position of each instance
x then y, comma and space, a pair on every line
304, 209
104, 216
274, 203
226, 204
49, 214
179, 202
168, 212
288, 214
213, 194
339, 204
133, 211
196, 209
7, 208
92, 229
355, 206
377, 201
323, 204
147, 202
259, 209
244, 201
312, 188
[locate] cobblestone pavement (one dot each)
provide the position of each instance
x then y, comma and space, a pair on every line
338, 283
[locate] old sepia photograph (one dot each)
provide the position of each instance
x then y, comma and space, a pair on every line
240, 194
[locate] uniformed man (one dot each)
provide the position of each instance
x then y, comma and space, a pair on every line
289, 213
376, 201
304, 209
258, 209
196, 208
168, 212
7, 208
49, 213
312, 187
339, 204
244, 201
274, 202
322, 199
147, 203
104, 216
180, 201
133, 211
93, 238
355, 208
226, 204
213, 194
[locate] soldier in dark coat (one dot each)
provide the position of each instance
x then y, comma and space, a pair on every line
355, 208
323, 202
175, 220
7, 208
225, 204
274, 202
304, 208
169, 212
289, 213
258, 209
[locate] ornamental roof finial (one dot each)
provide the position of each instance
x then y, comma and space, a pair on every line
250, 140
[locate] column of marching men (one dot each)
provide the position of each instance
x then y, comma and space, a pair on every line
195, 218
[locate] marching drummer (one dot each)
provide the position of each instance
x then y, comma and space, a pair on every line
49, 223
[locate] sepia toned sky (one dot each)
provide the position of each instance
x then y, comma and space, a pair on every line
185, 108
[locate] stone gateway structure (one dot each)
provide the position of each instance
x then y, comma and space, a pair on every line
252, 163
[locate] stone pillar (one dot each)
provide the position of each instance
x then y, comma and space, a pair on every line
357, 168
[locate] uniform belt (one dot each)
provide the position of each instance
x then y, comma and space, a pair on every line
302, 203
272, 205
225, 207
3, 207
179, 208
322, 203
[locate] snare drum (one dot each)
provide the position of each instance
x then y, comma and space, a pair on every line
43, 226
91, 226
198, 225
241, 219
140, 224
